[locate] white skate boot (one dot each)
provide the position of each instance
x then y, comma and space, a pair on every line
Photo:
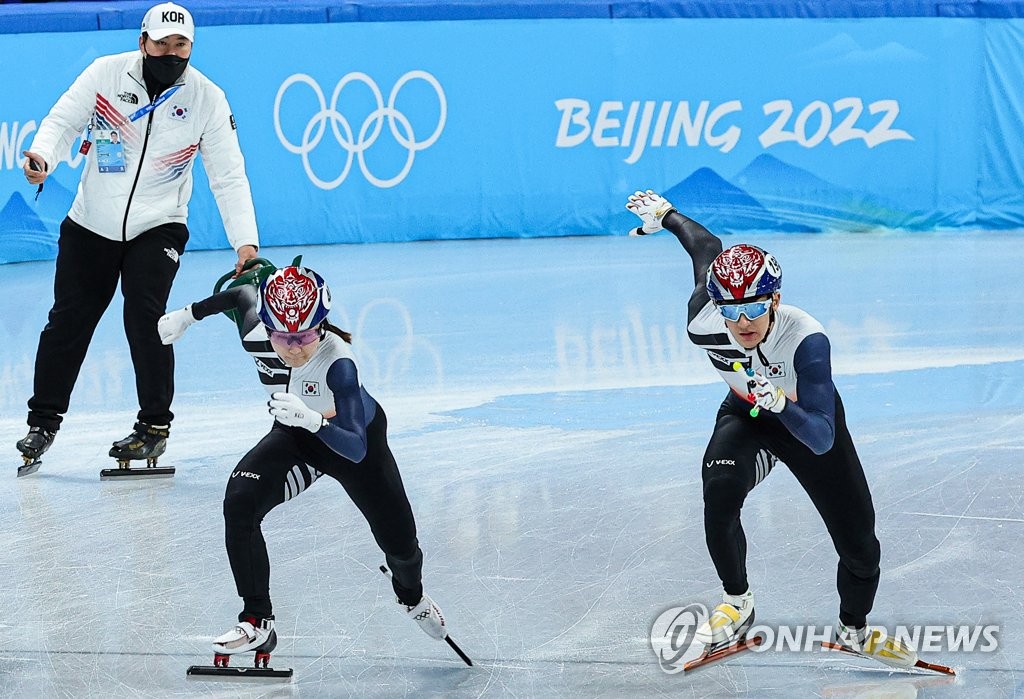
249, 635
875, 644
729, 621
428, 615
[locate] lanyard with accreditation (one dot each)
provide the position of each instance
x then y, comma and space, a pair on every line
109, 149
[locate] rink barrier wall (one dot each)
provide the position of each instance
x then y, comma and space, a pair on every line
528, 119
17, 17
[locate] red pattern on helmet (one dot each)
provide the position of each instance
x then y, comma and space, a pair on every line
737, 268
291, 297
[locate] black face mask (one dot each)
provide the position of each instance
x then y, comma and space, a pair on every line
165, 69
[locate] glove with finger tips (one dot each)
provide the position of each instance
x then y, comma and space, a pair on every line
288, 409
173, 325
767, 395
652, 208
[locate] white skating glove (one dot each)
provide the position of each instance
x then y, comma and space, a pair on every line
173, 325
651, 208
767, 395
289, 410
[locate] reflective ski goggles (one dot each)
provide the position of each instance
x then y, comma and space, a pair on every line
291, 339
752, 310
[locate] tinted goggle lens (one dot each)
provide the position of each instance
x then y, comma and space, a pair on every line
302, 338
753, 310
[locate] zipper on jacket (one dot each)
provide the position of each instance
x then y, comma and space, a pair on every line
142, 155
138, 173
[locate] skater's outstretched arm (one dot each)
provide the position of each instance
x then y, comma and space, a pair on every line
236, 298
702, 245
656, 214
173, 325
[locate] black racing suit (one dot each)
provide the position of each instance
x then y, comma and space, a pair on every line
810, 436
351, 448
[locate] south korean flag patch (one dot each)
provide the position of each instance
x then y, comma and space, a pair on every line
178, 112
311, 388
775, 371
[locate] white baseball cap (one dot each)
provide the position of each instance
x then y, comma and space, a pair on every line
166, 19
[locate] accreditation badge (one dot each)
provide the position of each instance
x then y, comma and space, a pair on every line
109, 151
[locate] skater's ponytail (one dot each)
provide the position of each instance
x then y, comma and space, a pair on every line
344, 335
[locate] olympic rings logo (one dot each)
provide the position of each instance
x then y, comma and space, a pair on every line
370, 130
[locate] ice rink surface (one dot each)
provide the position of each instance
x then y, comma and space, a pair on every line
549, 418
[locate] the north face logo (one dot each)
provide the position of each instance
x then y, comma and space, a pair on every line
129, 97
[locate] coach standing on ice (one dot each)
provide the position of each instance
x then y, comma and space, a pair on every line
147, 114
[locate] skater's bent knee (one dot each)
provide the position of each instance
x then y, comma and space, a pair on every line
413, 557
863, 560
865, 568
239, 505
724, 492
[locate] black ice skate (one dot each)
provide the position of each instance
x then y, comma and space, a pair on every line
254, 635
32, 447
147, 442
429, 618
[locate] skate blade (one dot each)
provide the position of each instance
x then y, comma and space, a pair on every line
919, 665
121, 474
448, 639
727, 650
29, 468
214, 671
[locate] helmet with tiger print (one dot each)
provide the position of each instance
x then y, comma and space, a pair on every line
293, 299
742, 272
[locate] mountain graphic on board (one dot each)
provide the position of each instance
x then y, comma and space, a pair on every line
723, 207
29, 229
23, 236
798, 195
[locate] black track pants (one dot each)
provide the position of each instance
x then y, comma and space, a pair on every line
87, 272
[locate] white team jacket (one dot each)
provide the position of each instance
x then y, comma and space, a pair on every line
159, 149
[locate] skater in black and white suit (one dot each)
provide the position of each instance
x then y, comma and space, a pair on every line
782, 406
326, 423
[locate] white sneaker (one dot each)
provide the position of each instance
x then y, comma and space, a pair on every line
875, 643
428, 615
246, 636
730, 619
